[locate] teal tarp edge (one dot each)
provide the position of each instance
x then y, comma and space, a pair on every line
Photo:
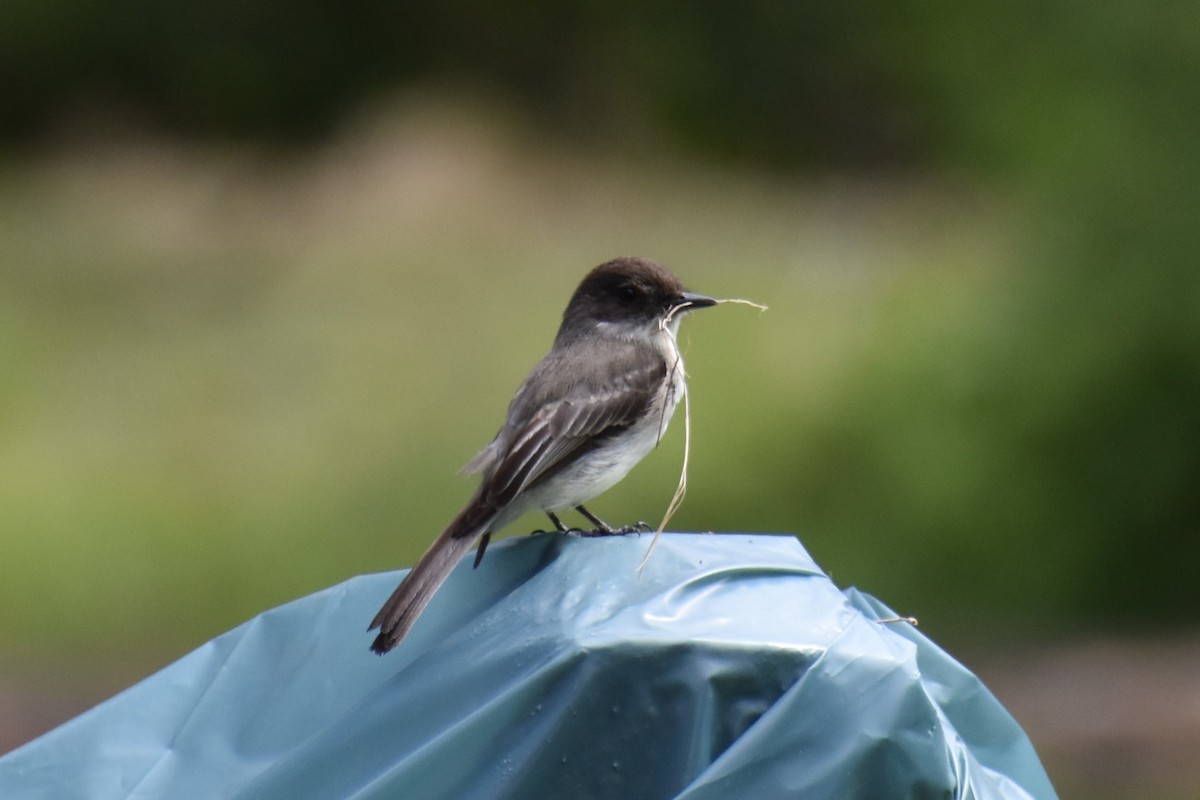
731, 667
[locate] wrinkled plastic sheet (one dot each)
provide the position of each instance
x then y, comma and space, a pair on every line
732, 667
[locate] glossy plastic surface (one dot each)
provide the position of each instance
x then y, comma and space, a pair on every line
731, 667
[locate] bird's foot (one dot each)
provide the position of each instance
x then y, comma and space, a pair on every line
624, 530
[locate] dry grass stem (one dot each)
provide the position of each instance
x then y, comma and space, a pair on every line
681, 488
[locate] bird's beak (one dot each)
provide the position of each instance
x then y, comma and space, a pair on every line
689, 300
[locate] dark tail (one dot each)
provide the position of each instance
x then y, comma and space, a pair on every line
400, 612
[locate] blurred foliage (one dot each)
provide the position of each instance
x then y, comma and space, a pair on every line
224, 381
800, 84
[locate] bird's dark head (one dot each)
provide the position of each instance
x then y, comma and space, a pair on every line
629, 297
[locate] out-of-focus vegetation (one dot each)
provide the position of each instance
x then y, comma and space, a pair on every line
244, 354
238, 380
796, 83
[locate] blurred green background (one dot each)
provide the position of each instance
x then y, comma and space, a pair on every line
269, 274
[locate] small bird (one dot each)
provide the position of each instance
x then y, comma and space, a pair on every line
588, 412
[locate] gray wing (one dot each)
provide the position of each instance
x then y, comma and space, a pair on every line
543, 431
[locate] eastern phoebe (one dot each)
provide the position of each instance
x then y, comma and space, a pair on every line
588, 412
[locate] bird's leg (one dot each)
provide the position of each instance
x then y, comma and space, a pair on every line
483, 543
602, 527
558, 526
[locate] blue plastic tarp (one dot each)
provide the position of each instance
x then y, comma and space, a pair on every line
731, 667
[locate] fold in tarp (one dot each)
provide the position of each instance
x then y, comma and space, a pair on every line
731, 667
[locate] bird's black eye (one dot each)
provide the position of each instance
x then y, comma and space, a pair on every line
628, 293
